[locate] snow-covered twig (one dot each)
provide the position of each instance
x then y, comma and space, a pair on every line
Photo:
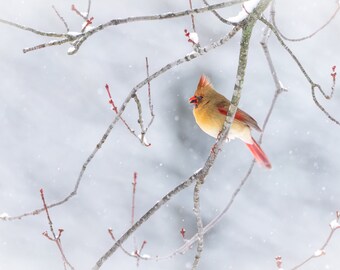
334, 225
247, 9
219, 16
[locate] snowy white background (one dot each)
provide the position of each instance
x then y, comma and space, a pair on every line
54, 110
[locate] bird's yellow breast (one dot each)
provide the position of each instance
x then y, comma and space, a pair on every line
208, 122
211, 121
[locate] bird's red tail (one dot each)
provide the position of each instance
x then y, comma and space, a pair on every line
259, 155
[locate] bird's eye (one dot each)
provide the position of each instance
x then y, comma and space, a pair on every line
199, 98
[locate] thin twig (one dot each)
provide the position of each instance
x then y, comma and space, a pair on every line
61, 18
140, 121
149, 95
114, 108
334, 225
121, 247
310, 35
313, 85
316, 86
219, 16
88, 9
74, 8
37, 32
134, 184
55, 238
192, 18
278, 85
138, 252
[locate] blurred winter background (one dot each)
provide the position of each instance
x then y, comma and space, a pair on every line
54, 110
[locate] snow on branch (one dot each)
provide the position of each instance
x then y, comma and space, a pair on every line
77, 38
334, 225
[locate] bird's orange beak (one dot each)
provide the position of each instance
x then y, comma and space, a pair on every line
193, 100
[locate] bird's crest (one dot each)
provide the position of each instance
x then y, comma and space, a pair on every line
203, 82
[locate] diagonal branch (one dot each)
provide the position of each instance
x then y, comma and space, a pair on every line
61, 18
311, 82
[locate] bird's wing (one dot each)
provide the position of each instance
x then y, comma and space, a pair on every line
241, 116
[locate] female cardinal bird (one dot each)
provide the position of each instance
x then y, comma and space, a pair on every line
210, 111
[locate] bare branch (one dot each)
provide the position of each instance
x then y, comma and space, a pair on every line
149, 95
278, 85
114, 108
313, 85
316, 86
134, 184
219, 16
310, 35
74, 8
37, 32
48, 44
192, 18
88, 9
140, 121
55, 238
61, 18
